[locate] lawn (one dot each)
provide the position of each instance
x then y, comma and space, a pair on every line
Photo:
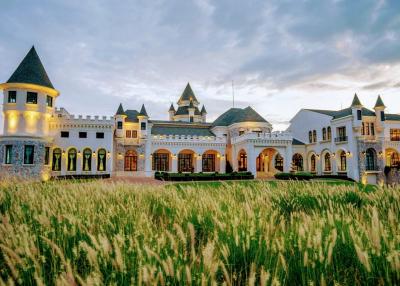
232, 233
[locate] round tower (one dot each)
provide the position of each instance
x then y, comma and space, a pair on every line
28, 104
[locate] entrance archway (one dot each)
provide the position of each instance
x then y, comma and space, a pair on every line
267, 161
242, 161
130, 162
210, 161
162, 160
392, 158
186, 161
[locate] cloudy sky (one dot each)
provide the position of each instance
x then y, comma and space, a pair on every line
281, 55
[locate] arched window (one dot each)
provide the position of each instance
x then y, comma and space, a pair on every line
313, 163
71, 160
310, 136
87, 160
329, 133
324, 134
242, 161
130, 161
370, 160
279, 162
314, 135
101, 160
327, 161
343, 162
56, 166
297, 162
394, 160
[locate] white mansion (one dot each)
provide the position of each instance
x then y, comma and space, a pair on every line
42, 141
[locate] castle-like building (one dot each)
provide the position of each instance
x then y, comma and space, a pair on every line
42, 141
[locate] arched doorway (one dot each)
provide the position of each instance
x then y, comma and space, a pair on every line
130, 163
297, 162
279, 162
186, 161
265, 163
327, 163
210, 161
342, 161
313, 163
392, 158
162, 160
242, 161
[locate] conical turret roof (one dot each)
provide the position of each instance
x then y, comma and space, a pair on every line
379, 102
188, 94
203, 110
120, 110
143, 111
172, 108
356, 101
31, 70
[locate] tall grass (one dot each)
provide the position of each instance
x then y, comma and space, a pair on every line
114, 233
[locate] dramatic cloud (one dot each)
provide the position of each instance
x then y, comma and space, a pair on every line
281, 55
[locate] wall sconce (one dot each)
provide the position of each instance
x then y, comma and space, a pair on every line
94, 154
141, 155
317, 156
108, 154
333, 155
380, 154
363, 153
218, 155
79, 153
348, 154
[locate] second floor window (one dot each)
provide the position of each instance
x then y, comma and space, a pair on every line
310, 136
359, 115
341, 132
99, 135
382, 115
395, 134
323, 134
49, 101
82, 134
314, 135
143, 126
12, 96
64, 134
329, 133
119, 125
28, 154
31, 97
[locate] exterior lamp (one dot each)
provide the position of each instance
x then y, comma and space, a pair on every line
108, 154
317, 156
348, 153
79, 152
94, 154
333, 155
141, 155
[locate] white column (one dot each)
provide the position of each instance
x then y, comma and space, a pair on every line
288, 159
147, 159
251, 161
199, 167
174, 164
222, 164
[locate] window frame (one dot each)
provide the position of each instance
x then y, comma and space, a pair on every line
49, 101
12, 94
46, 156
29, 159
82, 134
98, 136
64, 134
8, 154
30, 95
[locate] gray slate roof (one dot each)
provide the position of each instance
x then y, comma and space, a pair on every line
356, 101
120, 110
180, 128
379, 102
342, 113
31, 70
143, 111
236, 115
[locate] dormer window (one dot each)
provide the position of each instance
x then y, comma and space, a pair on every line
31, 97
12, 96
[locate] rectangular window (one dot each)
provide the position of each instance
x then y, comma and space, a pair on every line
382, 115
134, 134
28, 154
8, 155
47, 155
241, 132
119, 125
185, 162
128, 134
161, 162
82, 134
395, 134
208, 162
49, 101
143, 126
12, 96
191, 118
31, 97
100, 135
372, 129
362, 128
64, 134
366, 129
359, 115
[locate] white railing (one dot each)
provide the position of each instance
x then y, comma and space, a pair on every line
187, 138
276, 135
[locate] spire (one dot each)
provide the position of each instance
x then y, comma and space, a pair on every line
172, 108
379, 102
188, 94
356, 101
203, 110
120, 110
31, 70
143, 111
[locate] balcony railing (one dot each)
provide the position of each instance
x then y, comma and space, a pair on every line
341, 139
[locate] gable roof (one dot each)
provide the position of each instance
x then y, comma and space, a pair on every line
187, 94
180, 128
336, 114
31, 70
236, 115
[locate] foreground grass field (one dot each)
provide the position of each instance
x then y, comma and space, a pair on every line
258, 233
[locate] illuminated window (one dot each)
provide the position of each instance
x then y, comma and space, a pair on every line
395, 134
101, 160
343, 162
279, 162
8, 155
242, 161
327, 167
71, 162
185, 162
82, 134
128, 134
28, 154
297, 161
31, 97
47, 155
12, 96
87, 160
49, 101
313, 163
370, 160
56, 159
134, 134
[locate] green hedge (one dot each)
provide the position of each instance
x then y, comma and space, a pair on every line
165, 176
304, 176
